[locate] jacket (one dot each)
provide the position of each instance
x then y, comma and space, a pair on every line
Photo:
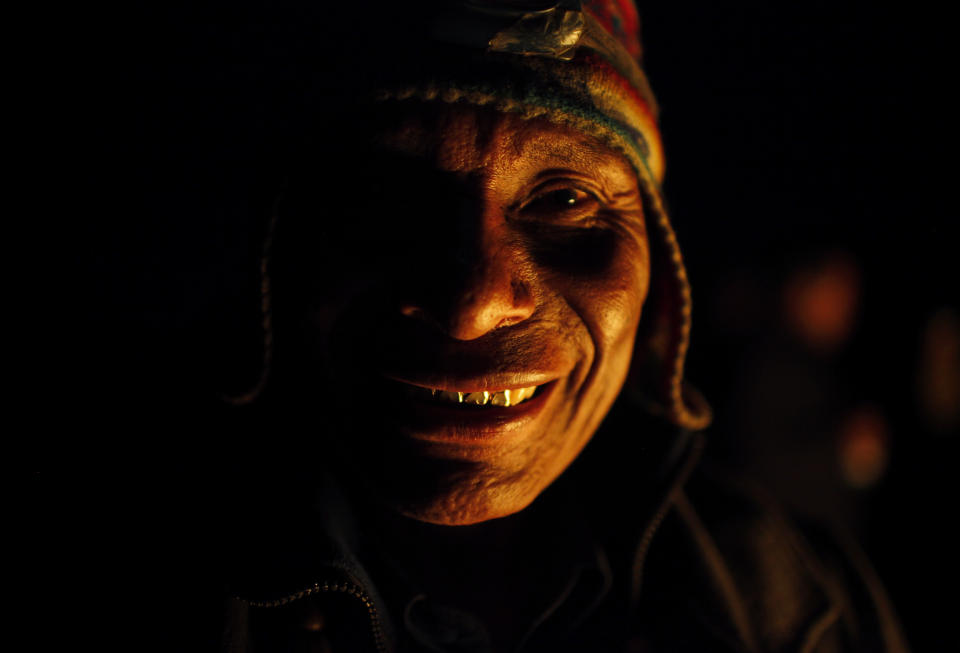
699, 561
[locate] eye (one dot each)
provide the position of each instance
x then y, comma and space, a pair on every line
565, 197
562, 204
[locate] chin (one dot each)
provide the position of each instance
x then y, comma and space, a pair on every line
475, 510
472, 501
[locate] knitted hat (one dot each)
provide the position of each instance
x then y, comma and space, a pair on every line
572, 63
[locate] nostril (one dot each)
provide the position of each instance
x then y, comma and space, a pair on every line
508, 321
494, 293
423, 316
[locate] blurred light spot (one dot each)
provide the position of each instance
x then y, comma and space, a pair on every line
314, 621
864, 447
939, 372
821, 301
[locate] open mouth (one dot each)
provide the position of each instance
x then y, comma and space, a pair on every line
505, 398
470, 417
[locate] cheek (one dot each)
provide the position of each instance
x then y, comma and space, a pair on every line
604, 278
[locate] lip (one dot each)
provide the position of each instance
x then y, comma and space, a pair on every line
439, 422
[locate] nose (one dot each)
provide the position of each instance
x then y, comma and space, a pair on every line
494, 290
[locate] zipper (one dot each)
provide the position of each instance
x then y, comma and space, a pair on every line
376, 625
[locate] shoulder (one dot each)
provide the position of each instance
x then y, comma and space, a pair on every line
730, 559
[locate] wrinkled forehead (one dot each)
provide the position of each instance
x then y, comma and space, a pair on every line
465, 138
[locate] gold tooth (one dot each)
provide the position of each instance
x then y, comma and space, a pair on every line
502, 398
478, 398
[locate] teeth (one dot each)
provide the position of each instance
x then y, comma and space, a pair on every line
478, 398
455, 397
510, 397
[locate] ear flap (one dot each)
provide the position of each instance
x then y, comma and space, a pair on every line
656, 373
255, 385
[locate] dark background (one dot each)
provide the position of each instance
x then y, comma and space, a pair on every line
798, 135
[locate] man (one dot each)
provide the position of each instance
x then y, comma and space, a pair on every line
464, 271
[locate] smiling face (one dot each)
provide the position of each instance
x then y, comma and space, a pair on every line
458, 306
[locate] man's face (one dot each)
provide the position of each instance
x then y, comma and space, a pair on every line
462, 300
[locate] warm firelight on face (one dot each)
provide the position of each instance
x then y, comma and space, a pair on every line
515, 265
